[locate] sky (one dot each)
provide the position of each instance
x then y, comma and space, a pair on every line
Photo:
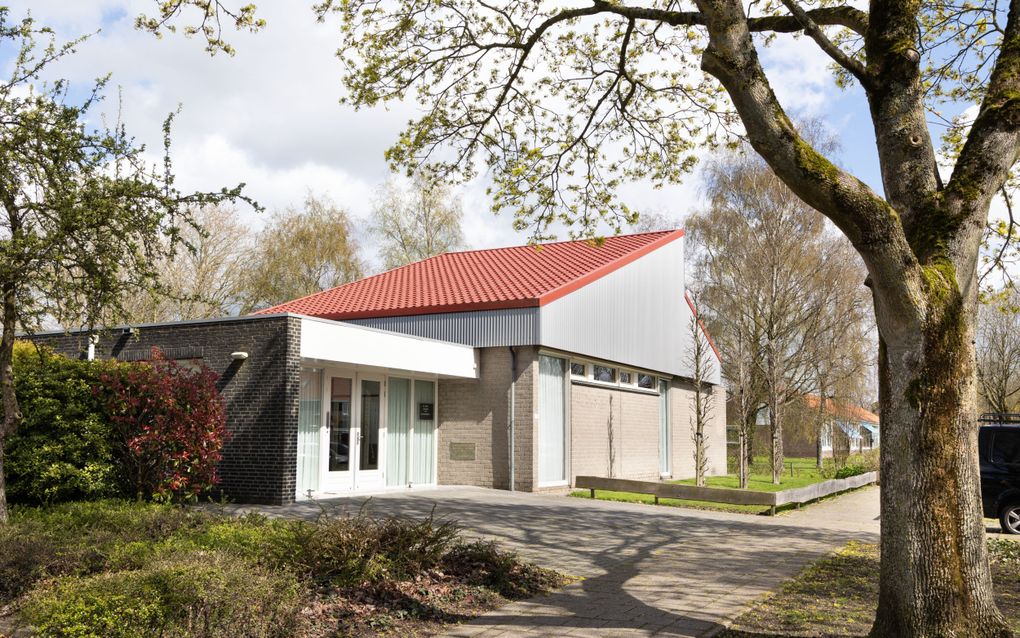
270, 116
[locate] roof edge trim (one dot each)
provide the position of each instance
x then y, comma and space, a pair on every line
605, 269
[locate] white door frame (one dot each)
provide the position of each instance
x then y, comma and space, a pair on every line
371, 479
353, 478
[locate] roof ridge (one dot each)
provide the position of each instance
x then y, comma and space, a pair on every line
553, 243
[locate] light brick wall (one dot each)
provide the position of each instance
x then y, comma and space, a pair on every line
613, 433
594, 432
639, 435
477, 412
681, 413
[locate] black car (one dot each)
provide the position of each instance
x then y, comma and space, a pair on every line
999, 445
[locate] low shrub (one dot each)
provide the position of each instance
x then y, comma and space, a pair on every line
123, 568
483, 563
347, 550
855, 464
202, 594
85, 538
851, 469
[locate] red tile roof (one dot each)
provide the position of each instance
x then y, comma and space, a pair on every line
516, 277
842, 410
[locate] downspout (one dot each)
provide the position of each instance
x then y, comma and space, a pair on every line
510, 425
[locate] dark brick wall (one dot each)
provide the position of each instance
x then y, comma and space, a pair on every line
260, 461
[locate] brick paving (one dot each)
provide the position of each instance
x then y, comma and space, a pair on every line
647, 571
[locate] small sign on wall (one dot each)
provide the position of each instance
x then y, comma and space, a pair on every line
426, 411
462, 451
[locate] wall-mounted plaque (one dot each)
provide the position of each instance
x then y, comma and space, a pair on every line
462, 451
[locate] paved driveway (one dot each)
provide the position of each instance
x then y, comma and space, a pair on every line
648, 571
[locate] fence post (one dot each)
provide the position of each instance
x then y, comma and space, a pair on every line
593, 492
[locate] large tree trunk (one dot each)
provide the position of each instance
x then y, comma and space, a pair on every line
935, 579
11, 412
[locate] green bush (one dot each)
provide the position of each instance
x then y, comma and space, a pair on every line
127, 568
849, 470
197, 594
91, 431
63, 449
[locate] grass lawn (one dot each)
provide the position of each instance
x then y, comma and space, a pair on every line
836, 596
804, 472
120, 570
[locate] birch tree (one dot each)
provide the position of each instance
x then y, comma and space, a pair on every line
562, 104
773, 273
702, 362
416, 222
998, 352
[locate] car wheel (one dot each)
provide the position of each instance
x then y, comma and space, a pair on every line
1009, 518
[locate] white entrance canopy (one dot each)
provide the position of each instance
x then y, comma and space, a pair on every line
338, 341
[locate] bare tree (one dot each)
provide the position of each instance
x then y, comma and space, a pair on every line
202, 281
653, 221
300, 252
744, 385
702, 362
776, 278
418, 222
998, 351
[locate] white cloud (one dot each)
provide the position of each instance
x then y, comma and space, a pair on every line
800, 74
270, 115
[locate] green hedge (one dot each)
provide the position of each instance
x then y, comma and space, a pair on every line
63, 449
100, 429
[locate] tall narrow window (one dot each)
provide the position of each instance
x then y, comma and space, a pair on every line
552, 420
665, 440
309, 423
424, 440
371, 399
398, 431
340, 424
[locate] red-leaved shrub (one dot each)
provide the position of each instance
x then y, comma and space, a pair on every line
172, 423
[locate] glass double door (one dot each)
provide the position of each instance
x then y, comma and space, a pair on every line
358, 431
354, 432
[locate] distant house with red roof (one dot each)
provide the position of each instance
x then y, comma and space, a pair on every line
848, 427
510, 368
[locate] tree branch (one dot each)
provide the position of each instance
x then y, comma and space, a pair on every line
843, 16
838, 55
865, 217
993, 144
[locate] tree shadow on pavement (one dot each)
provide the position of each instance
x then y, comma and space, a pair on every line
644, 570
